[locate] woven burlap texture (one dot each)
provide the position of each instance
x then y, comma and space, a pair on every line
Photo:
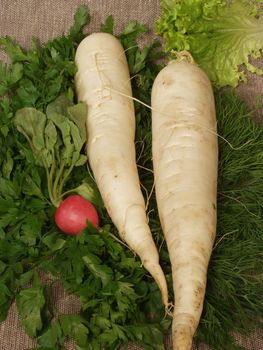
46, 19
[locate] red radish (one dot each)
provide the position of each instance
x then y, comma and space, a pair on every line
72, 214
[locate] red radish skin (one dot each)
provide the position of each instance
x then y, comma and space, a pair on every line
72, 215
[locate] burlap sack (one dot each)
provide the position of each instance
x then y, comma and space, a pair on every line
45, 19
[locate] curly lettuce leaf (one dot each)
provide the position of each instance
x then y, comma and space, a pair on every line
221, 35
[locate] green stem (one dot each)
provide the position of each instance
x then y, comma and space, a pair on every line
58, 179
62, 195
50, 175
63, 181
49, 184
53, 166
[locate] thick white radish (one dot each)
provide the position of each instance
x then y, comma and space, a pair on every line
185, 160
102, 70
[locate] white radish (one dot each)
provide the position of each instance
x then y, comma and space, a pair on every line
102, 70
185, 162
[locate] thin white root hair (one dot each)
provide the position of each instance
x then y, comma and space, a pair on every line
169, 310
148, 194
134, 76
148, 214
183, 125
131, 47
223, 237
120, 241
149, 197
117, 239
131, 97
143, 167
90, 173
240, 202
141, 151
225, 140
160, 247
121, 54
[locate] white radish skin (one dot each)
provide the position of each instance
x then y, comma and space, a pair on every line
102, 70
185, 160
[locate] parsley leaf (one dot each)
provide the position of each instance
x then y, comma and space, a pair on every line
81, 18
30, 312
107, 26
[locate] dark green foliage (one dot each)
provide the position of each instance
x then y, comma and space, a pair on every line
119, 301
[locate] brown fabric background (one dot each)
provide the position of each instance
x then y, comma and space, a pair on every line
45, 19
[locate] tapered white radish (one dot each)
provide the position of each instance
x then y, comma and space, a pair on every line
102, 70
185, 160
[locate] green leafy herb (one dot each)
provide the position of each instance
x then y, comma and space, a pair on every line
118, 300
30, 312
110, 284
56, 141
81, 19
221, 35
233, 302
51, 128
107, 27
